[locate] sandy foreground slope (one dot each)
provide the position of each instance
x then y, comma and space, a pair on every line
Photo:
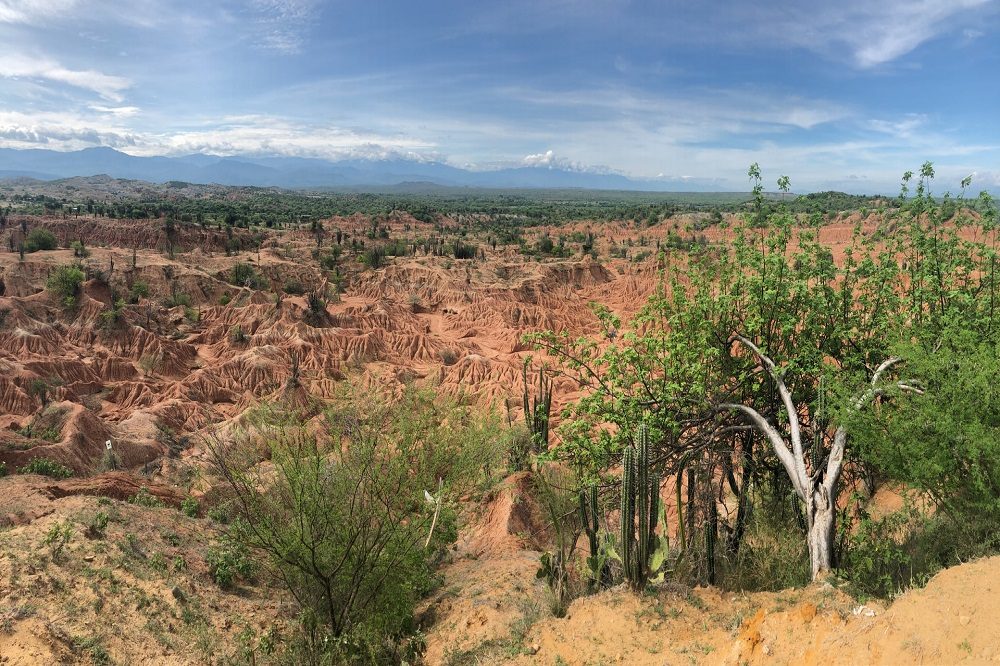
492, 610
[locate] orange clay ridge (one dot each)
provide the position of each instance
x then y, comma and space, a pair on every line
163, 379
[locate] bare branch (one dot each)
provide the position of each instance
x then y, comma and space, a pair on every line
777, 443
880, 370
786, 398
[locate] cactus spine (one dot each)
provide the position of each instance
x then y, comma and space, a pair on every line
640, 507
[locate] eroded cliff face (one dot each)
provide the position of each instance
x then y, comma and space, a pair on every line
151, 378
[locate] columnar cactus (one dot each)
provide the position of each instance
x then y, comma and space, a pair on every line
536, 412
641, 552
597, 561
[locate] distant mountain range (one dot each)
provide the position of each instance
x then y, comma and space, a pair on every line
296, 172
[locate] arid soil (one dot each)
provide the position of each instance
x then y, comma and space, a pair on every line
193, 356
492, 610
153, 381
135, 592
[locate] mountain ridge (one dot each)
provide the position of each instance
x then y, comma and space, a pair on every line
299, 172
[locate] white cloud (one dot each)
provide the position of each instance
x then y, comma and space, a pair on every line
540, 159
265, 135
107, 86
33, 11
117, 111
61, 131
695, 116
231, 136
873, 33
282, 24
903, 128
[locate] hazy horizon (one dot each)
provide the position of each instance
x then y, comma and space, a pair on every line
843, 97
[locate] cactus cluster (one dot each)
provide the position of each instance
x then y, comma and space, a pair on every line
536, 411
642, 553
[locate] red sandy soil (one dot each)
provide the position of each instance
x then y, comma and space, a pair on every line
162, 379
491, 609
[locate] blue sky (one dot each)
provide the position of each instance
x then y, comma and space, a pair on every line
843, 95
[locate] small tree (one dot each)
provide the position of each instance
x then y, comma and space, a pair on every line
40, 239
342, 518
818, 488
39, 388
65, 282
244, 275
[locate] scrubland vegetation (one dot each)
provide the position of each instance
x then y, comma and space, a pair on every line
731, 431
783, 385
763, 379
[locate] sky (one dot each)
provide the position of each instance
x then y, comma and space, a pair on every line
837, 95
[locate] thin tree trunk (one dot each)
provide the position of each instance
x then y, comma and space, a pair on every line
821, 517
817, 490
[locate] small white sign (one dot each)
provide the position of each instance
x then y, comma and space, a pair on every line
107, 444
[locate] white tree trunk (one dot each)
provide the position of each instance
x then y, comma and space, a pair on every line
817, 490
822, 514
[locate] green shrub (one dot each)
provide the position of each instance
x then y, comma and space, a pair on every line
110, 461
464, 251
138, 291
3, 468
220, 514
98, 524
92, 646
40, 239
373, 257
39, 388
58, 536
110, 318
131, 546
884, 556
294, 287
189, 506
65, 282
79, 250
178, 299
330, 261
348, 526
46, 467
237, 335
147, 499
228, 561
245, 275
315, 309
32, 431
944, 442
876, 561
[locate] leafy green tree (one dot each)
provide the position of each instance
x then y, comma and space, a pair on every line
65, 282
344, 521
739, 344
40, 239
944, 442
244, 275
